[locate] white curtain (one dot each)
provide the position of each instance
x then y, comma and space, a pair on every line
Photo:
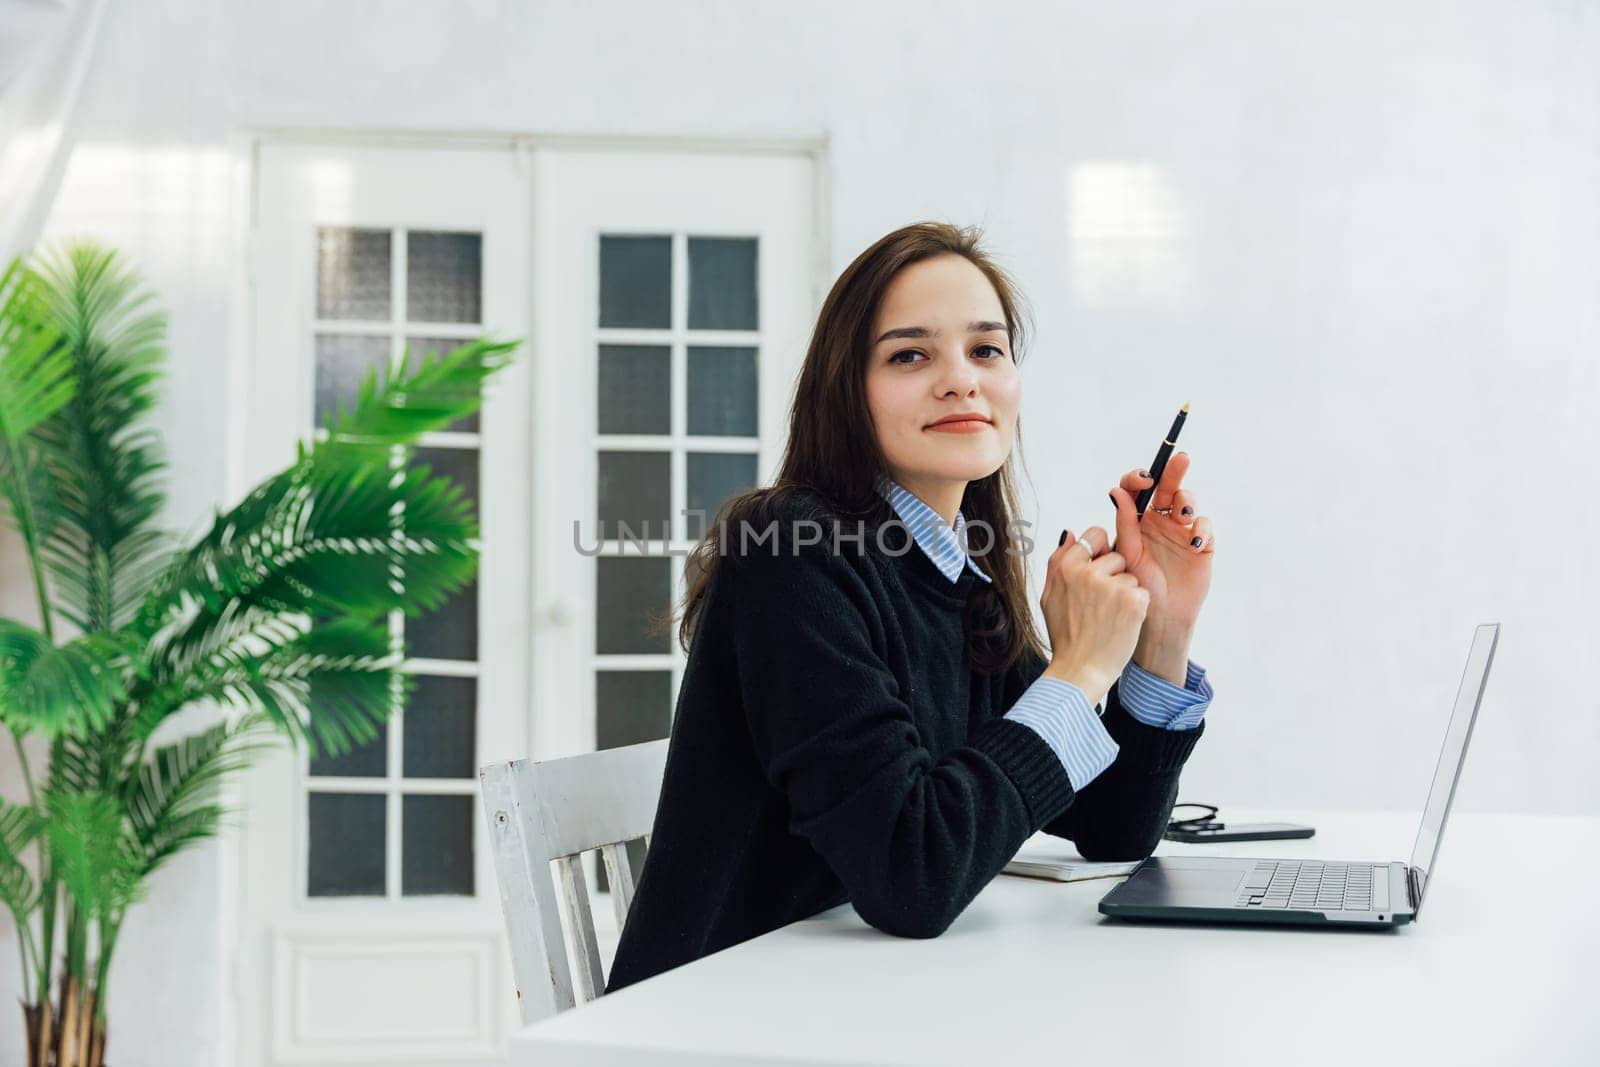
45, 50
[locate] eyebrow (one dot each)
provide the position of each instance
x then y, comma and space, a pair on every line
923, 331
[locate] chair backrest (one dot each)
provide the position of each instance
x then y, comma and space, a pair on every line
554, 811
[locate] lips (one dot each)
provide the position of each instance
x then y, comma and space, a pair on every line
959, 422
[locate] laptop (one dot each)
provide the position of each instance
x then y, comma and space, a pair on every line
1315, 892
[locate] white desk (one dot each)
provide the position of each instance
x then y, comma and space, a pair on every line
1032, 973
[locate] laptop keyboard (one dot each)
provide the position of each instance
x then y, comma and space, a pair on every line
1315, 885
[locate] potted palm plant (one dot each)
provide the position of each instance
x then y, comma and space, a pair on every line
274, 621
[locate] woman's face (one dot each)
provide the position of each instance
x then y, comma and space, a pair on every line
939, 347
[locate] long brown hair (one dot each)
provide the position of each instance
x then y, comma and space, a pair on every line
833, 452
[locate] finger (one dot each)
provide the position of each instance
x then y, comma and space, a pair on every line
1201, 531
1095, 539
1171, 479
1069, 552
1136, 482
1128, 540
1068, 539
1111, 563
1183, 507
1050, 564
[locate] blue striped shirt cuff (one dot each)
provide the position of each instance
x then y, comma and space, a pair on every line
1155, 701
1060, 713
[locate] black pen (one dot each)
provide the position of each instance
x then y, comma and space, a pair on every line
1163, 454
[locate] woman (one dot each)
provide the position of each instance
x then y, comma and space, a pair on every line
867, 712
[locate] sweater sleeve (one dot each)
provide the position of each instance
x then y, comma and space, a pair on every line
912, 839
1123, 812
1060, 712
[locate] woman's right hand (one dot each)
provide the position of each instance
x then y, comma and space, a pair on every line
1093, 610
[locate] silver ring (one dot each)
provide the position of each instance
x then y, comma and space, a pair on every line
1163, 511
1086, 545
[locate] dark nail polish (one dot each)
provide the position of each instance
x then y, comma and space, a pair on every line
1196, 542
1113, 498
1144, 474
1063, 539
1188, 511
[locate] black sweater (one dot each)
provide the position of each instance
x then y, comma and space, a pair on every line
832, 742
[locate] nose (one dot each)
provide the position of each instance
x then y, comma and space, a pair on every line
957, 377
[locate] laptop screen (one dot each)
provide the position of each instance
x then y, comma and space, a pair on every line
1445, 775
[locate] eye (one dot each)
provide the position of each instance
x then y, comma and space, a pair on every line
999, 353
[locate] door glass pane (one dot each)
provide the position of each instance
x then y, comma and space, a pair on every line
346, 844
352, 273
451, 632
629, 589
436, 844
444, 277
421, 348
715, 476
343, 362
635, 389
634, 488
630, 707
722, 391
636, 281
722, 283
440, 731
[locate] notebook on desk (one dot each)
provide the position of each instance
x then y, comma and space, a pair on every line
1052, 858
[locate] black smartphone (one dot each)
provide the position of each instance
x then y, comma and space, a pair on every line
1253, 831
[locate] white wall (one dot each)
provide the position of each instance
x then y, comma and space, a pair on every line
1360, 238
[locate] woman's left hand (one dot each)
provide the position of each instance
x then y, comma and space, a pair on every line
1160, 550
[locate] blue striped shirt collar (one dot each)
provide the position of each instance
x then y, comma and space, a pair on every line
940, 541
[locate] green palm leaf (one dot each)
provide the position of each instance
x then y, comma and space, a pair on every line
105, 464
340, 532
29, 493
35, 383
324, 537
54, 688
349, 555
400, 407
329, 685
170, 802
92, 853
200, 644
19, 825
93, 763
35, 374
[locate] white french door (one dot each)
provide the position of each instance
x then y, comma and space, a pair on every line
685, 297
370, 926
684, 283
666, 300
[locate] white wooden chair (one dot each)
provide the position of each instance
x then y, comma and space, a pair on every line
554, 811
